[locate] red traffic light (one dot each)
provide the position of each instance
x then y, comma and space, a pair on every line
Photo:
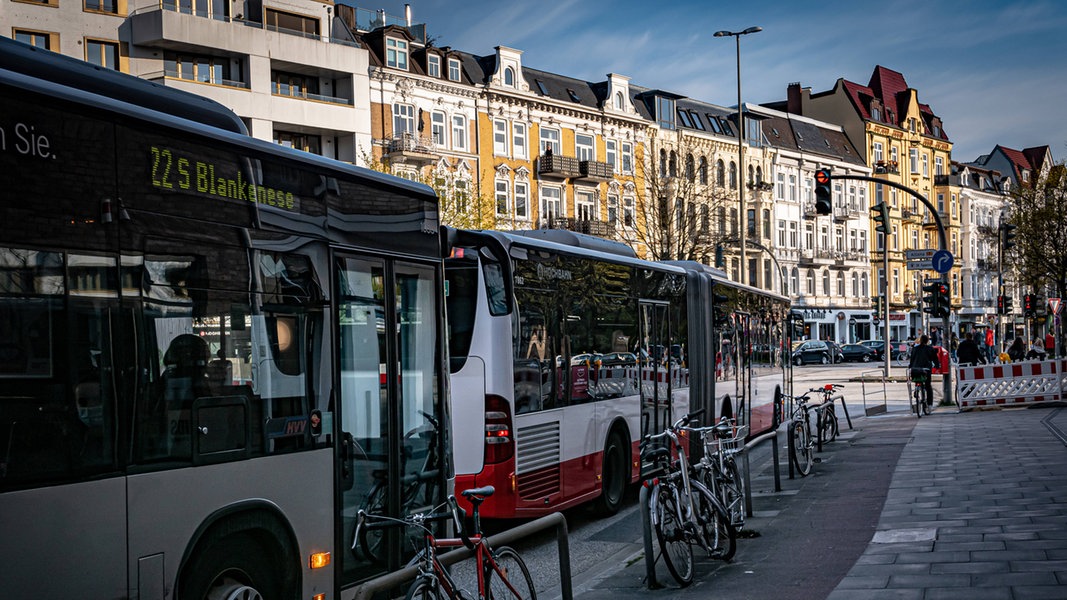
822, 176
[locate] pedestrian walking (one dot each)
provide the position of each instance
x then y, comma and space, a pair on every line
1050, 344
968, 351
1037, 350
989, 344
1017, 350
953, 347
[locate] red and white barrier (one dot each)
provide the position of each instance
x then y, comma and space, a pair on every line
1013, 384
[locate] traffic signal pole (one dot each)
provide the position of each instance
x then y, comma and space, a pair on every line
942, 239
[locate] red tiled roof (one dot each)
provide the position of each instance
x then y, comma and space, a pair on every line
888, 84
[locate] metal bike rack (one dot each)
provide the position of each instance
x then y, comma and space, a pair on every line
874, 409
395, 579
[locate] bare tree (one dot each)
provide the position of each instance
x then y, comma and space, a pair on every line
1040, 212
682, 206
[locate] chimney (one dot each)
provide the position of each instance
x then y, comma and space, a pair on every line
792, 102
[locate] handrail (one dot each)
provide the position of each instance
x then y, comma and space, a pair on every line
389, 581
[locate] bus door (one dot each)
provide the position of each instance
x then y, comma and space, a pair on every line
743, 359
653, 363
390, 419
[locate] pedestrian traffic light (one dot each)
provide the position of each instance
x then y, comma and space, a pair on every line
824, 204
1007, 235
937, 302
881, 217
1004, 305
1028, 306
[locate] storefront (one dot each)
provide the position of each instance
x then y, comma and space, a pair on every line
839, 325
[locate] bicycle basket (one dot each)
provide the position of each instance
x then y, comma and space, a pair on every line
729, 445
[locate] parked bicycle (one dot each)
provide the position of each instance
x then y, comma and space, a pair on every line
501, 572
802, 432
681, 510
828, 421
718, 468
921, 403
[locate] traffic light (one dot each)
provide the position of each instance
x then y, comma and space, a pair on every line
1005, 305
824, 204
937, 302
881, 218
719, 315
1028, 306
720, 260
1007, 235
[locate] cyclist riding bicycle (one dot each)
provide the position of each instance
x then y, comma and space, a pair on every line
923, 359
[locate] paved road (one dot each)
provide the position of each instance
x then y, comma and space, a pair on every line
955, 505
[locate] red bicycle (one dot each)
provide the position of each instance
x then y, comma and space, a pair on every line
502, 573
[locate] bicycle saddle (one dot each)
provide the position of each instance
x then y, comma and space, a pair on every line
478, 494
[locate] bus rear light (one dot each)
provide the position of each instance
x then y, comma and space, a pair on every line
319, 560
499, 445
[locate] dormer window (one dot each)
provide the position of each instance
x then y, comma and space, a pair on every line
665, 112
453, 69
618, 100
396, 53
876, 113
937, 131
509, 77
573, 95
433, 65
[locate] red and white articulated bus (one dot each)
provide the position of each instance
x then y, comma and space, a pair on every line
566, 349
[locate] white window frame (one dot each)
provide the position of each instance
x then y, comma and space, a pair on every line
585, 208
550, 137
459, 132
433, 65
439, 128
629, 212
627, 158
403, 119
518, 140
611, 155
396, 53
503, 198
500, 137
454, 71
522, 200
584, 146
877, 151
551, 203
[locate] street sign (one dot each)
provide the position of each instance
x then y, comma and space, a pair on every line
942, 261
924, 254
921, 265
1054, 305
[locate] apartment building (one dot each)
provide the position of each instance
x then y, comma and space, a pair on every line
904, 141
984, 204
825, 260
288, 68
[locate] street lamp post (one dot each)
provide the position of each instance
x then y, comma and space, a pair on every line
740, 144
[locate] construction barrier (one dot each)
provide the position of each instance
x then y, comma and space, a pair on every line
1012, 384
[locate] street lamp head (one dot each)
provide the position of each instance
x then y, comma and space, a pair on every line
725, 33
722, 33
752, 30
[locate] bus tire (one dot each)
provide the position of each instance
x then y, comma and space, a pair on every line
239, 563
615, 474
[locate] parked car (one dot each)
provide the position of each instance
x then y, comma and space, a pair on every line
899, 348
858, 353
811, 351
835, 352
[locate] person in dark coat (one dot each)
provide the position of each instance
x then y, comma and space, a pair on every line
1017, 350
968, 351
924, 359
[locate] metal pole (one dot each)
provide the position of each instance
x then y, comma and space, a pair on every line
742, 217
885, 301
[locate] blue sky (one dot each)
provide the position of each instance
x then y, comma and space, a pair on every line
995, 72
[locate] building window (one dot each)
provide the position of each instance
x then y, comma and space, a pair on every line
509, 77
105, 6
299, 141
105, 54
212, 69
403, 119
396, 53
628, 211
583, 147
703, 171
809, 281
438, 129
627, 158
613, 208
618, 100
550, 200
926, 165
502, 197
522, 194
733, 175
518, 140
433, 65
459, 132
453, 69
584, 206
610, 155
913, 160
939, 166
878, 152
500, 137
665, 112
550, 141
292, 23
793, 236
37, 39
720, 173
876, 114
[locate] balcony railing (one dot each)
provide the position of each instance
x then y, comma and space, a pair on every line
882, 167
554, 165
201, 13
591, 169
604, 229
288, 91
941, 179
171, 74
411, 146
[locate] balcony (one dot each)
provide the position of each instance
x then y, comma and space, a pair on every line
929, 222
408, 147
604, 229
941, 180
911, 215
809, 210
886, 167
290, 91
596, 171
554, 165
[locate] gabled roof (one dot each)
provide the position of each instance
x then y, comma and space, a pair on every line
889, 88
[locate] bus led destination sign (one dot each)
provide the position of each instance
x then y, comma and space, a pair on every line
172, 171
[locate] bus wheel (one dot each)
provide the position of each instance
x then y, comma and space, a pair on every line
233, 567
615, 474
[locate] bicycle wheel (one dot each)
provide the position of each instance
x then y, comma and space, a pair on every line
829, 424
369, 547
425, 588
510, 579
800, 448
928, 403
731, 488
917, 400
720, 536
674, 543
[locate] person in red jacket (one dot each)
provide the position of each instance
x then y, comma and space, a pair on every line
1050, 345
